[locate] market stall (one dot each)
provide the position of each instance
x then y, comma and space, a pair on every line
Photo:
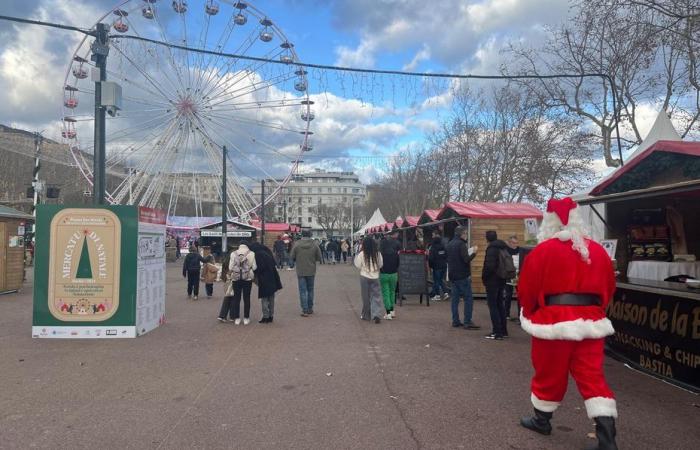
507, 219
210, 236
425, 221
12, 230
652, 214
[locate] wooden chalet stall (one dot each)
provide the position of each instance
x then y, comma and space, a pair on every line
425, 222
507, 219
12, 230
409, 236
652, 217
275, 229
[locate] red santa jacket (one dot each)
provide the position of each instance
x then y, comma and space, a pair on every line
554, 267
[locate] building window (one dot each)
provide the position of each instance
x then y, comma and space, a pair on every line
310, 219
330, 190
299, 219
355, 191
345, 190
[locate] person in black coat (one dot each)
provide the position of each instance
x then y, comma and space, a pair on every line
437, 261
191, 270
268, 280
495, 286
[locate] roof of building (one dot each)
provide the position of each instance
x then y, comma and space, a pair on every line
662, 163
429, 215
489, 210
6, 211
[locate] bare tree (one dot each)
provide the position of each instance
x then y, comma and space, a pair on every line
328, 217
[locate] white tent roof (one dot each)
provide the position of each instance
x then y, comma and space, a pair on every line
376, 219
662, 130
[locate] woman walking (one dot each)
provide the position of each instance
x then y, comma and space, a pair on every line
268, 280
369, 261
241, 267
345, 249
209, 273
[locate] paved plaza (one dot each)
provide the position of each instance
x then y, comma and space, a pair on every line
328, 381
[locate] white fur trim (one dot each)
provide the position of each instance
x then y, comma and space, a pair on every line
571, 330
563, 235
601, 407
543, 405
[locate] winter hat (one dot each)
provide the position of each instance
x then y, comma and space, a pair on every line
561, 208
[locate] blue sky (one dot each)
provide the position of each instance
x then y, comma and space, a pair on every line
355, 115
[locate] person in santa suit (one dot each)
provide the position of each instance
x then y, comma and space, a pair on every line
564, 287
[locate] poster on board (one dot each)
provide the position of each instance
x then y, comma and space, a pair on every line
86, 272
150, 299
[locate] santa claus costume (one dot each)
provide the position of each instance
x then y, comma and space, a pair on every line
564, 287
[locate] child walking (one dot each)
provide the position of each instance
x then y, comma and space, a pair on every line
209, 273
369, 261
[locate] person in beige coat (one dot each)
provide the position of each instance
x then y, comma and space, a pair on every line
209, 273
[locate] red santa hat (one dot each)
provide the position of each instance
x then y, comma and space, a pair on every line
561, 208
563, 221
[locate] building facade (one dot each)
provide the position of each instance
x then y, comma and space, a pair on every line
309, 198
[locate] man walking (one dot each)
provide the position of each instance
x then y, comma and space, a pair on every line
305, 255
494, 276
388, 276
191, 270
459, 266
280, 249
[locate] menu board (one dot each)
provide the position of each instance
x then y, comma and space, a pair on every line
413, 277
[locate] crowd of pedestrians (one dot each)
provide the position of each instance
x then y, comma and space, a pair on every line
378, 263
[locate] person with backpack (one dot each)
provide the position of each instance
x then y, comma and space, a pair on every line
437, 261
191, 270
209, 273
498, 267
241, 271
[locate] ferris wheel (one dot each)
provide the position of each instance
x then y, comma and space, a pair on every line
181, 106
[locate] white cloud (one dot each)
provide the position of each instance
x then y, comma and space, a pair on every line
422, 55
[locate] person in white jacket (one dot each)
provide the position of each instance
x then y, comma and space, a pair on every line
369, 261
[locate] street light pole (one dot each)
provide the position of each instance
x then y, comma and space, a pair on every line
224, 212
100, 50
262, 212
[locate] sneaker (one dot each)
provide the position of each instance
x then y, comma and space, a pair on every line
471, 326
377, 320
435, 298
289, 268
509, 318
445, 296
456, 324
189, 297
221, 319
246, 321
310, 312
393, 314
237, 322
387, 316
496, 337
304, 314
194, 298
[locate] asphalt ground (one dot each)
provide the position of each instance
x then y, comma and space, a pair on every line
329, 381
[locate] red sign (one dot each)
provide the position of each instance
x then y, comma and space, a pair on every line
151, 215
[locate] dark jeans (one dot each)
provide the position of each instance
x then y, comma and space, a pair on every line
438, 280
193, 282
241, 287
462, 288
226, 307
508, 297
345, 257
306, 293
209, 288
497, 309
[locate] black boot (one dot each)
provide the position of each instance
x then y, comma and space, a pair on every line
264, 320
270, 319
539, 422
605, 432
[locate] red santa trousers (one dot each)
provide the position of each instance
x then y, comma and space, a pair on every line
553, 360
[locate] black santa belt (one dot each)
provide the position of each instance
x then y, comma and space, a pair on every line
572, 300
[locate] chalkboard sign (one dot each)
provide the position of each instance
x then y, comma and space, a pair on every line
413, 278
